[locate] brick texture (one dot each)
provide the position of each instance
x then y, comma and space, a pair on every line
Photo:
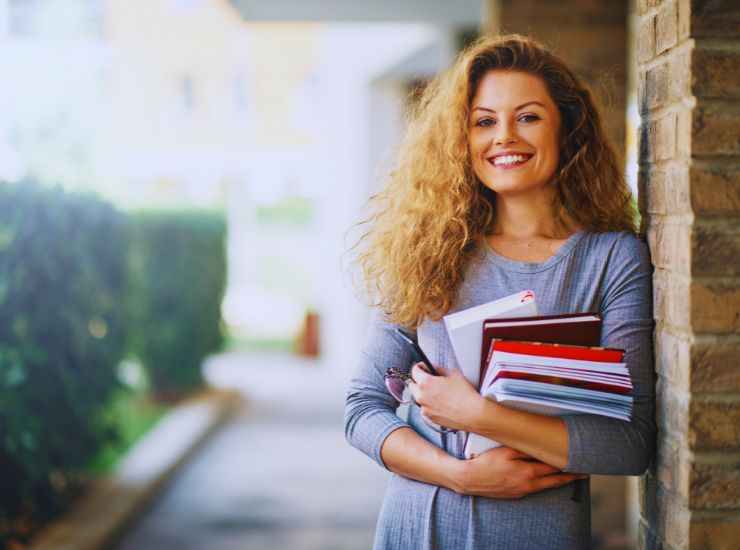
714, 425
673, 359
716, 129
666, 27
665, 512
715, 486
715, 306
646, 39
670, 244
658, 139
671, 411
688, 93
714, 18
714, 73
672, 467
714, 366
670, 305
715, 189
716, 250
714, 533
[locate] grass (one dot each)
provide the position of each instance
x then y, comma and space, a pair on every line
134, 414
296, 211
246, 344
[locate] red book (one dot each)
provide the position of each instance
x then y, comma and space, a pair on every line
558, 351
562, 351
580, 329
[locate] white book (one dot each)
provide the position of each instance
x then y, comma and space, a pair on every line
465, 328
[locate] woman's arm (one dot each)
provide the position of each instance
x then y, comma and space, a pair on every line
371, 425
498, 473
370, 410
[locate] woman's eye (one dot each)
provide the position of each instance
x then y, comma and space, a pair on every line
529, 118
490, 122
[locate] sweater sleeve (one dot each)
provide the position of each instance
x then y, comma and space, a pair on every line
603, 445
370, 410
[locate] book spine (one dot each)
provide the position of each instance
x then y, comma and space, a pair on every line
587, 353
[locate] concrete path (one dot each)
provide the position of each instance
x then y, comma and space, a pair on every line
280, 475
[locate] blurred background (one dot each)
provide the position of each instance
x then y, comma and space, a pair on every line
178, 184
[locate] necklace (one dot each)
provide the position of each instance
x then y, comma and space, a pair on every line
532, 249
531, 243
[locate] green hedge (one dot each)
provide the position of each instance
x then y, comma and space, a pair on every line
62, 332
178, 274
82, 286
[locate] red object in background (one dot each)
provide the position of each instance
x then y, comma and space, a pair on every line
307, 343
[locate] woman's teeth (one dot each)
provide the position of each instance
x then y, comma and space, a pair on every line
509, 160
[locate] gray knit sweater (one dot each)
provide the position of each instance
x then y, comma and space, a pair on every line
608, 273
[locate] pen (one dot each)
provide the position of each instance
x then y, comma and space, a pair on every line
419, 352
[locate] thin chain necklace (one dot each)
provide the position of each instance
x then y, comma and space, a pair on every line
532, 246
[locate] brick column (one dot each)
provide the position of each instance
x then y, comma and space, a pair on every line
689, 187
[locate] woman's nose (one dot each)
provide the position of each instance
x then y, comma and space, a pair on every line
504, 134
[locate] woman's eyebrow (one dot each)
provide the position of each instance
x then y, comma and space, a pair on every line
519, 107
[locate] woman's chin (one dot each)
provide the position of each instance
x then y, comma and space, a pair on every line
515, 188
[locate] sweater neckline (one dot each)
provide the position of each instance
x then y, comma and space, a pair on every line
533, 267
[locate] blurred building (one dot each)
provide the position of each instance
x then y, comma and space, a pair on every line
52, 61
187, 103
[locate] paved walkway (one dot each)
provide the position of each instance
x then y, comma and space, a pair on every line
280, 475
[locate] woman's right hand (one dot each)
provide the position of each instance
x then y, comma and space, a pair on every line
506, 473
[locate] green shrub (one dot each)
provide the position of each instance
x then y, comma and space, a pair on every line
178, 274
133, 413
62, 332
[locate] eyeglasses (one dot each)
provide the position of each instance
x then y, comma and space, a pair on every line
397, 382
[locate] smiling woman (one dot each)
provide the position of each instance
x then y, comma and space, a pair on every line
505, 182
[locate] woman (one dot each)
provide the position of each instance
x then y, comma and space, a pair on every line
505, 182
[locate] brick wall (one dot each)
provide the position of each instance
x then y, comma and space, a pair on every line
688, 54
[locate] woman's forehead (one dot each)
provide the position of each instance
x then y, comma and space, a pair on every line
506, 90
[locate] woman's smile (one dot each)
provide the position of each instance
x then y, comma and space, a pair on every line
509, 162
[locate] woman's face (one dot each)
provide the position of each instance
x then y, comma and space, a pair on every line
512, 112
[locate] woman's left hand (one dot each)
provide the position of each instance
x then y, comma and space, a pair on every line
448, 399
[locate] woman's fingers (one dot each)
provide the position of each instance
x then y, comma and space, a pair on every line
419, 377
414, 389
444, 371
419, 373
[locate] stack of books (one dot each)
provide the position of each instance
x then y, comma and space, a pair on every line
549, 364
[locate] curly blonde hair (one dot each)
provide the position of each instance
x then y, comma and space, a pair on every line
434, 212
